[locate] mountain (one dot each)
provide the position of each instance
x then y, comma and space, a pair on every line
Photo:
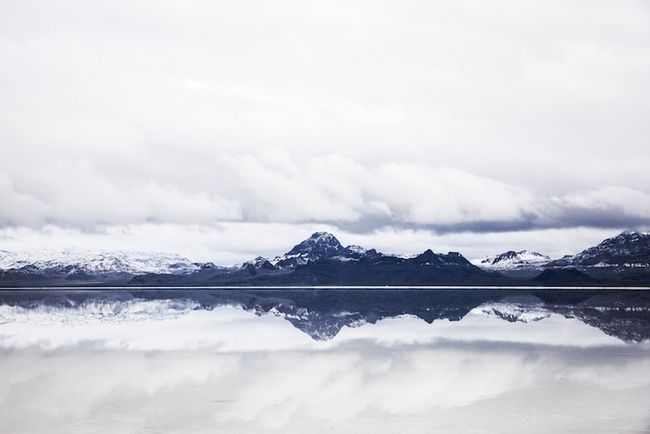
72, 261
628, 250
319, 246
564, 276
511, 260
259, 263
322, 260
427, 268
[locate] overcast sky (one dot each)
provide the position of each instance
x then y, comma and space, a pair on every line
221, 130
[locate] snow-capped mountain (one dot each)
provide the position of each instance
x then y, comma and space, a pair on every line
322, 260
319, 246
97, 262
511, 260
323, 246
259, 263
626, 250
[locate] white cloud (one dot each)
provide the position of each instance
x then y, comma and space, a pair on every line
386, 115
146, 325
276, 188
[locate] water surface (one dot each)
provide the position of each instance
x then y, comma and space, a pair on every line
305, 360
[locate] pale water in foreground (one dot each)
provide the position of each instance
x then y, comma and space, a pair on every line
188, 361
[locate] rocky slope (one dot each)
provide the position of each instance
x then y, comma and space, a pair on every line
628, 250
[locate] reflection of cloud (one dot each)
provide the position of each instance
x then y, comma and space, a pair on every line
146, 366
159, 325
356, 387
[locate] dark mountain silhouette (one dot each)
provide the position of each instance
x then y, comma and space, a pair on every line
322, 260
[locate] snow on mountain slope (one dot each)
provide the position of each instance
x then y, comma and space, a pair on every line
320, 245
512, 312
512, 260
628, 249
98, 262
324, 246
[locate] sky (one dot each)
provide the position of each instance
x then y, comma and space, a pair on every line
223, 130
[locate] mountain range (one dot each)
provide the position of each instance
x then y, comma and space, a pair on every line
322, 260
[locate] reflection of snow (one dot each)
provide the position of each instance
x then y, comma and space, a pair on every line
179, 324
512, 312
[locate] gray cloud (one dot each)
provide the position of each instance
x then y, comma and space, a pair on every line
332, 190
364, 117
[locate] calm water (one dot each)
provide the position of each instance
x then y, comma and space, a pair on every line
184, 361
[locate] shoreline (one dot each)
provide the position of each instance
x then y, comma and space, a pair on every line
311, 287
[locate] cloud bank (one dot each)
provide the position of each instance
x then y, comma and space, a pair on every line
331, 190
365, 117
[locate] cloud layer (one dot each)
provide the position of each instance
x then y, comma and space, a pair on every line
275, 188
382, 116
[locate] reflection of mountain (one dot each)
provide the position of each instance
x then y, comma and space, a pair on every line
323, 313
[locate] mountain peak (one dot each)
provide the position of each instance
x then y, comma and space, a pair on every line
522, 259
633, 235
321, 244
629, 249
322, 235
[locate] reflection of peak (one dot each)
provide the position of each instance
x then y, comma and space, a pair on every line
513, 312
320, 325
321, 314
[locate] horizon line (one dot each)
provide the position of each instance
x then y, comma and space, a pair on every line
502, 287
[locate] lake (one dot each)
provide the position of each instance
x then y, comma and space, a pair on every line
182, 360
